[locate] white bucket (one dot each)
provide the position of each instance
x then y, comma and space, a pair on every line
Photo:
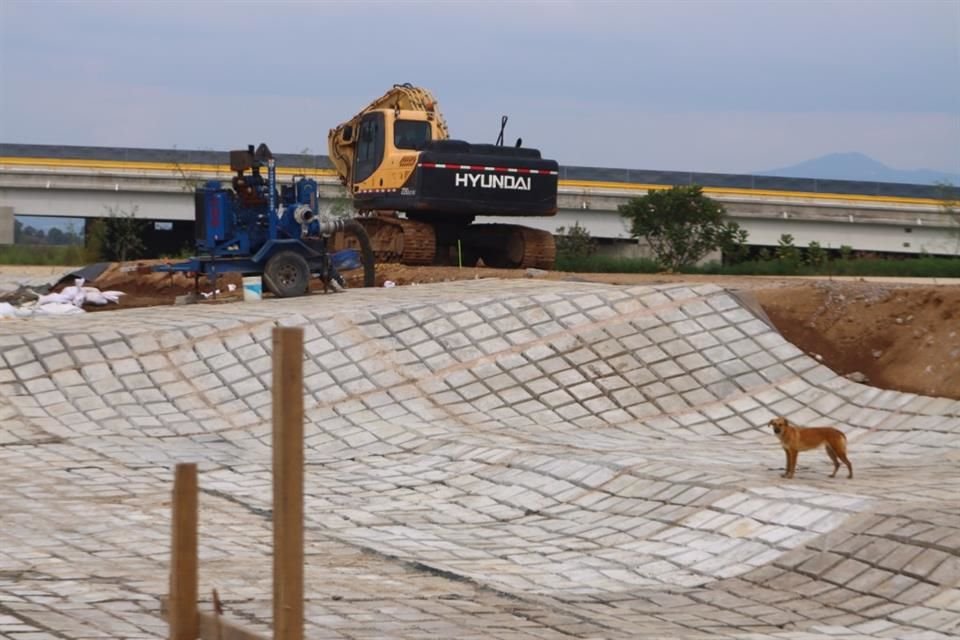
252, 288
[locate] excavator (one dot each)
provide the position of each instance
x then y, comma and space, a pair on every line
417, 192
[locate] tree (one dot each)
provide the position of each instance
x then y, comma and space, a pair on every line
816, 255
574, 243
28, 234
119, 236
56, 236
71, 236
681, 225
94, 233
787, 251
734, 246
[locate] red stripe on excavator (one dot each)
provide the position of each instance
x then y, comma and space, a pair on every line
470, 167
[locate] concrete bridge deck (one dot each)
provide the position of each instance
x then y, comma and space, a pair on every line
486, 459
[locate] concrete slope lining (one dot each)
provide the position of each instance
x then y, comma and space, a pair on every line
588, 449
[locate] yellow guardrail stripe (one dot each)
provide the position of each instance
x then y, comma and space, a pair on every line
585, 184
175, 167
636, 186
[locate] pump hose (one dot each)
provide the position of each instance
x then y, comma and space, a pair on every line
351, 225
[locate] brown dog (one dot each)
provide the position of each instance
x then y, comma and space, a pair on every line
795, 439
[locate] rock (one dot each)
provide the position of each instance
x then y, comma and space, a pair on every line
857, 376
533, 272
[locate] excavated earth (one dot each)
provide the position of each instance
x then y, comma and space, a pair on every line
511, 457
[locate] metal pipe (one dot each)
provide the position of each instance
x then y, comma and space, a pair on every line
366, 249
271, 198
329, 226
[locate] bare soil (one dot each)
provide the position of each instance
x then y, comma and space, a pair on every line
890, 335
899, 337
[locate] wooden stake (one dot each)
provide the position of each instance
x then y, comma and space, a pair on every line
288, 483
184, 621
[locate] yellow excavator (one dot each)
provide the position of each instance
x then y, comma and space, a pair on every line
417, 192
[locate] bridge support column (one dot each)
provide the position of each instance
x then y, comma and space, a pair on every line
6, 225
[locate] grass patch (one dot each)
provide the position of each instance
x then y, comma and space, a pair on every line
44, 255
606, 264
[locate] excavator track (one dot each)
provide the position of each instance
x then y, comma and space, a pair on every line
540, 248
412, 242
512, 246
398, 240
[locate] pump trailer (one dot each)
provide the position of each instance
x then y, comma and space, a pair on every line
254, 229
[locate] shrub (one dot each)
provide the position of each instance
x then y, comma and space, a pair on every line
574, 243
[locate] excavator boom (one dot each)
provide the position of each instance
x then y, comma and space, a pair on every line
342, 139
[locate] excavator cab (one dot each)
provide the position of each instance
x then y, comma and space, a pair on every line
385, 141
370, 147
411, 134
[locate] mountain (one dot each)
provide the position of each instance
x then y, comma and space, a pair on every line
856, 166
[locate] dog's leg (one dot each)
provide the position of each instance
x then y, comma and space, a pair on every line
786, 467
833, 459
842, 454
791, 464
843, 458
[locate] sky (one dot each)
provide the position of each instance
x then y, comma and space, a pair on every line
722, 86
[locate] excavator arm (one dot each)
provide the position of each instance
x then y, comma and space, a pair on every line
342, 140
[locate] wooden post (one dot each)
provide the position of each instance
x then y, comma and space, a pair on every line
288, 483
184, 622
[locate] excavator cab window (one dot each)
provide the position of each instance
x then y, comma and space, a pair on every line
411, 134
369, 146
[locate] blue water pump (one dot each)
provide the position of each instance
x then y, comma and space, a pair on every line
254, 228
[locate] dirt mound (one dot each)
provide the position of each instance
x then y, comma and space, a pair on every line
899, 337
144, 287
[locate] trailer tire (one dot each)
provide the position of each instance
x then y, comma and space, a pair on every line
287, 274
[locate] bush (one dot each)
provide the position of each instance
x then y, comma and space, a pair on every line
574, 243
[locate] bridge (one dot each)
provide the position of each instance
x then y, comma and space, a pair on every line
157, 185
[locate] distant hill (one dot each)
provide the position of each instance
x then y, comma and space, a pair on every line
856, 166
